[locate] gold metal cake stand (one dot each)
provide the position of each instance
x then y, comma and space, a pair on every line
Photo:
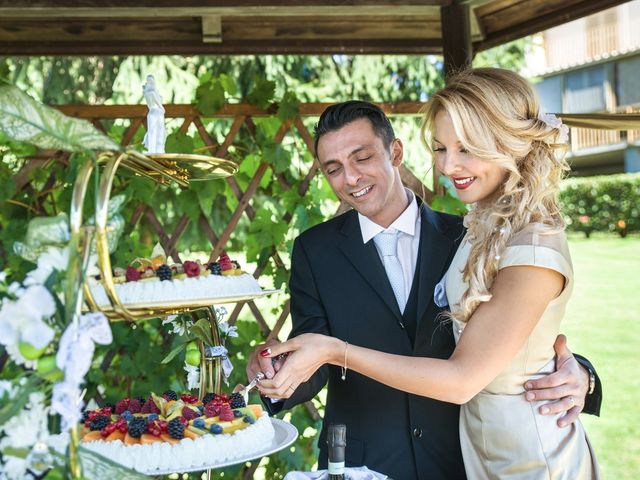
164, 168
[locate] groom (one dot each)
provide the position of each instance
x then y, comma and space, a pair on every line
339, 287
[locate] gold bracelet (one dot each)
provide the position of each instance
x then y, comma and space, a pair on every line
343, 368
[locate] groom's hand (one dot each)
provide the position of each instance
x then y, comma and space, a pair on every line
567, 386
258, 363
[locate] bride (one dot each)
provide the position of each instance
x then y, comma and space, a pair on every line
507, 286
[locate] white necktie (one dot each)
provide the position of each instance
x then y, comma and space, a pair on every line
387, 244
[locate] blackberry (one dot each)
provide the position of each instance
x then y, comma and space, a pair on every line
85, 416
137, 427
214, 268
176, 429
170, 395
235, 264
141, 400
164, 272
109, 405
99, 422
236, 400
208, 397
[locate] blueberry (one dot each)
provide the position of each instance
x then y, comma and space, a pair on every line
248, 419
127, 415
216, 429
237, 413
153, 416
198, 423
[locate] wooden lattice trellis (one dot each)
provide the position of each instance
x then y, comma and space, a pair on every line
242, 114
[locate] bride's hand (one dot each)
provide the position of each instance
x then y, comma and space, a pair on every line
307, 353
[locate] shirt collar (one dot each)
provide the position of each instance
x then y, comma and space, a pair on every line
405, 223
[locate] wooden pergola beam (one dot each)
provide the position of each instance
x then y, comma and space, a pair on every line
109, 112
198, 8
457, 48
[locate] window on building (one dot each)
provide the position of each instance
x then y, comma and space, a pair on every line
550, 93
585, 90
628, 81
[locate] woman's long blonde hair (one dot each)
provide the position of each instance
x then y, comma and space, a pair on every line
495, 116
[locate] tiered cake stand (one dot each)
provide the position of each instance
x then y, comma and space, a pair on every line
165, 168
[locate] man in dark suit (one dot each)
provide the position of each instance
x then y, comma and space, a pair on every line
339, 287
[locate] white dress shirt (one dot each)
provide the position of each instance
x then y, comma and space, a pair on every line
408, 224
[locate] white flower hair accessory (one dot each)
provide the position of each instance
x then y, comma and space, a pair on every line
554, 122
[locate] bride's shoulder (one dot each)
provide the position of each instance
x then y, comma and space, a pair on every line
539, 234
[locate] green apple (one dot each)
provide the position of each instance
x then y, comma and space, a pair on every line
192, 346
30, 352
48, 370
193, 357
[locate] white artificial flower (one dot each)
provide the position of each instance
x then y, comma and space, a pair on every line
3, 276
554, 122
51, 259
193, 376
179, 325
67, 401
14, 468
227, 330
15, 289
22, 320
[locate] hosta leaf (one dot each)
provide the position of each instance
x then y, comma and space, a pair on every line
24, 119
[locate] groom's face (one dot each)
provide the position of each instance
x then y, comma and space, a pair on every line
363, 172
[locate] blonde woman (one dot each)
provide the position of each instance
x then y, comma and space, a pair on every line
507, 286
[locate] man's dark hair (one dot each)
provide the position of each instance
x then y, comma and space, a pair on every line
337, 116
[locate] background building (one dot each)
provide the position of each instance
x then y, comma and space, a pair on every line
593, 65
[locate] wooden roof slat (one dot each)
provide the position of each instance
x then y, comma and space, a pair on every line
165, 27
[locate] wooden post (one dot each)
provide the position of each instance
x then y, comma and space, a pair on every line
457, 48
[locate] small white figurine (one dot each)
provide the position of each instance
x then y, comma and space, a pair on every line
156, 135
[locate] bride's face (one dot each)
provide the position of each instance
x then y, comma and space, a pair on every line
475, 180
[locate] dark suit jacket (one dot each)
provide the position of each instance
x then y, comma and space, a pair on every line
339, 287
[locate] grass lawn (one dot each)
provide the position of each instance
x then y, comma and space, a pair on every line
603, 323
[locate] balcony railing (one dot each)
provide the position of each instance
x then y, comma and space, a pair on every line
584, 138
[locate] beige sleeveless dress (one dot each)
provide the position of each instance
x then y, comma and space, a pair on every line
502, 435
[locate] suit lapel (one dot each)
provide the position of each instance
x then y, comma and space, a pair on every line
435, 252
365, 259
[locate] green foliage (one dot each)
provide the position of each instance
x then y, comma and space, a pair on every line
26, 120
449, 202
262, 93
602, 204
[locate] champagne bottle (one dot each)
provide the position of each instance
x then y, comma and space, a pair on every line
337, 441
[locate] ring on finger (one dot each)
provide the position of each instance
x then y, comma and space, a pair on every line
292, 387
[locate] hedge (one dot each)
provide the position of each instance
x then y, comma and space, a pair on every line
609, 203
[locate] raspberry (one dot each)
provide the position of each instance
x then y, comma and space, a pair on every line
214, 268
135, 406
176, 429
189, 413
236, 400
170, 395
137, 427
192, 269
99, 422
225, 262
122, 405
164, 272
150, 407
226, 414
188, 398
211, 410
132, 275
